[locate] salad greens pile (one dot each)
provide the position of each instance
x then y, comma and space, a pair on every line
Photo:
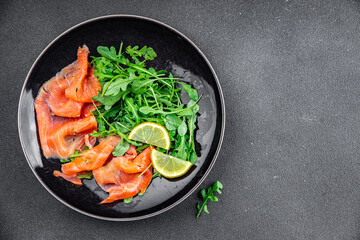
132, 93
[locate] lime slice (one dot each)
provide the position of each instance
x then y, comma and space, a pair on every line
169, 166
151, 133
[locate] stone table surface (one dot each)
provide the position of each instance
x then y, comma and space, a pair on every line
290, 162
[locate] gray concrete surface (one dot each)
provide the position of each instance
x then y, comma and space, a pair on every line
290, 160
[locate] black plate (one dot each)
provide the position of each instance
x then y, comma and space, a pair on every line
176, 53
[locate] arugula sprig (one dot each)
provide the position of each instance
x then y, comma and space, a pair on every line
86, 175
155, 175
74, 155
133, 93
209, 194
128, 200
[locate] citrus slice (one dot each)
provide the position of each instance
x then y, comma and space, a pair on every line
151, 133
169, 166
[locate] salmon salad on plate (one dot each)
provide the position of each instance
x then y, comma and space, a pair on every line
112, 118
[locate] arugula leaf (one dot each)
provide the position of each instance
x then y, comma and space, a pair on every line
209, 194
181, 150
182, 147
172, 122
63, 160
121, 149
147, 110
190, 108
182, 129
132, 107
193, 94
74, 155
181, 112
147, 53
109, 101
102, 133
120, 84
140, 86
192, 156
124, 127
105, 52
155, 175
86, 175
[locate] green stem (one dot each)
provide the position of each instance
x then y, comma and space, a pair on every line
181, 110
118, 67
202, 206
152, 90
123, 126
156, 175
100, 114
145, 170
139, 149
147, 104
121, 46
161, 80
129, 120
142, 70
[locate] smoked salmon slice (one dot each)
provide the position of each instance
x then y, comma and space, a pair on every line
139, 164
71, 178
127, 185
58, 103
60, 136
106, 174
120, 185
64, 124
90, 159
84, 84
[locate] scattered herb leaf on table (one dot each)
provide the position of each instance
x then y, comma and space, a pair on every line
209, 194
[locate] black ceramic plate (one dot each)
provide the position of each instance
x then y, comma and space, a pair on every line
176, 53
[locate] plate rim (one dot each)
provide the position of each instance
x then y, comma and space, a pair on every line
214, 158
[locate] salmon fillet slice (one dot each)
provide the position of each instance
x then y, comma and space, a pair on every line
58, 103
127, 185
64, 124
137, 165
60, 136
71, 178
93, 158
120, 185
84, 85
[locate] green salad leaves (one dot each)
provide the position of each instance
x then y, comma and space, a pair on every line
133, 93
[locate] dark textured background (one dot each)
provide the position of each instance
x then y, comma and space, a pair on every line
290, 161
